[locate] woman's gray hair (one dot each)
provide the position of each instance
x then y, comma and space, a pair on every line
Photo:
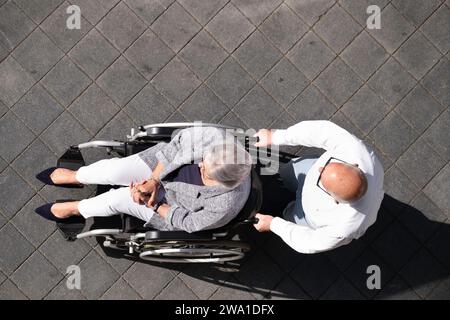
228, 163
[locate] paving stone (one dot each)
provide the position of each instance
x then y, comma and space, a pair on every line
284, 82
331, 25
117, 128
397, 289
148, 11
438, 82
231, 119
3, 109
419, 108
121, 26
229, 27
203, 280
63, 133
342, 289
257, 10
395, 29
12, 184
15, 81
311, 55
398, 185
438, 245
287, 289
442, 292
175, 27
417, 55
97, 276
27, 166
311, 104
14, 24
257, 55
203, 105
365, 109
93, 54
176, 290
65, 81
232, 291
26, 279
113, 258
93, 108
15, 249
344, 256
422, 218
396, 246
121, 81
62, 292
203, 55
92, 10
420, 162
109, 4
148, 106
435, 28
38, 10
148, 280
338, 82
176, 82
15, 136
284, 28
415, 10
35, 229
423, 273
230, 82
315, 275
55, 28
357, 273
37, 54
391, 82
3, 221
358, 8
283, 255
251, 274
176, 117
37, 109
310, 11
364, 55
62, 253
120, 291
3, 52
341, 120
149, 54
9, 291
437, 135
53, 193
201, 10
438, 189
250, 107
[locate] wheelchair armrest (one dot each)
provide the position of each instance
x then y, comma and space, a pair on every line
178, 235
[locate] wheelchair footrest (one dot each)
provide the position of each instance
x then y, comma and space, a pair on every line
72, 159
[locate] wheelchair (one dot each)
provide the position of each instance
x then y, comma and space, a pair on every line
219, 246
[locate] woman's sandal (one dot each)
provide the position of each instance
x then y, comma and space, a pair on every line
44, 177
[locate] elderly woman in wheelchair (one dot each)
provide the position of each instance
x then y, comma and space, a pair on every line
199, 180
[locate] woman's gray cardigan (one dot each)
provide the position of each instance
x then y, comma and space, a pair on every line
193, 208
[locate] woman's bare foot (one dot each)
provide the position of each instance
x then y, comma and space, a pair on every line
64, 176
65, 209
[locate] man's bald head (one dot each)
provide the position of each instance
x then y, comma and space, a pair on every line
345, 182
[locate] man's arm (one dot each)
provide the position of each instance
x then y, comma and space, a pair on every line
304, 239
316, 133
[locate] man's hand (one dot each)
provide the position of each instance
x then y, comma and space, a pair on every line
264, 222
145, 192
265, 138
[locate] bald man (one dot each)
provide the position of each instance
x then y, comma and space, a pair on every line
337, 194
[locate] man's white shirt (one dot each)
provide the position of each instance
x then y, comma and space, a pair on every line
330, 224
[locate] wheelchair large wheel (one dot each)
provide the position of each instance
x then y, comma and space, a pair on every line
194, 252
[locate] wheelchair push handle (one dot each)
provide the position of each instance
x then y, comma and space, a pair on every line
251, 221
246, 137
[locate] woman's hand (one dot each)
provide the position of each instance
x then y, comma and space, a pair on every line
265, 138
145, 192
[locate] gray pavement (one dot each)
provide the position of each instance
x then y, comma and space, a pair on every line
248, 63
